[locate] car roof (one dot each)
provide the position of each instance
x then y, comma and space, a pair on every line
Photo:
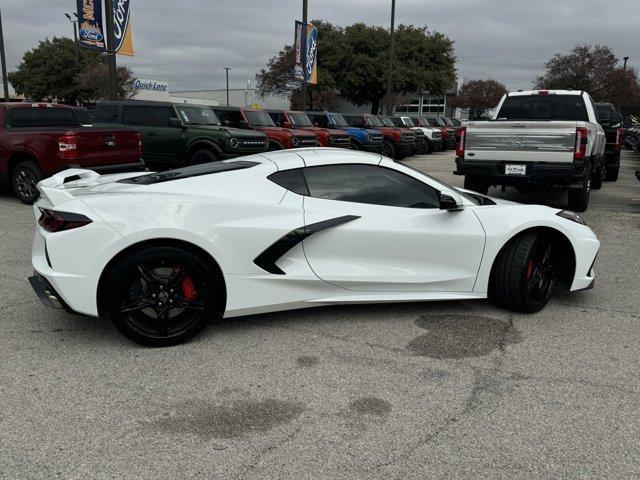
33, 105
313, 156
149, 103
551, 92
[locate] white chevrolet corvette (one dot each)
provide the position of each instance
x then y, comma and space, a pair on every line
162, 254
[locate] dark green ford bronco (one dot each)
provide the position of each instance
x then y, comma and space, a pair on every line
178, 134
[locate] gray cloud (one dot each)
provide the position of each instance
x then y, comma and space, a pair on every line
188, 42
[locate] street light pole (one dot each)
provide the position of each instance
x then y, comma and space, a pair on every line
304, 54
5, 82
391, 46
227, 73
75, 34
111, 52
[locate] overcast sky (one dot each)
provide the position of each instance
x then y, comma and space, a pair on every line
187, 42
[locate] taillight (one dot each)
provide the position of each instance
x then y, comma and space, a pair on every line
619, 133
461, 135
67, 146
580, 149
139, 138
443, 131
53, 221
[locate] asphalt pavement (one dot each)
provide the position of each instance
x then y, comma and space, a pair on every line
424, 390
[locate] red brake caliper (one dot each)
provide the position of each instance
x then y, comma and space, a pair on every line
188, 290
529, 269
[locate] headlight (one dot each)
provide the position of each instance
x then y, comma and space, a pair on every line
573, 216
367, 137
294, 141
233, 142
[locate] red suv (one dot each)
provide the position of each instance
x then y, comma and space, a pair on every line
328, 137
279, 137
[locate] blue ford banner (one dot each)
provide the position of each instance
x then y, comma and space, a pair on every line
306, 42
90, 25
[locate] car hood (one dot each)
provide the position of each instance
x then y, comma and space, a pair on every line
236, 132
330, 131
497, 201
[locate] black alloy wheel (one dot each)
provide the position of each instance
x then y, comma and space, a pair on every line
24, 179
163, 296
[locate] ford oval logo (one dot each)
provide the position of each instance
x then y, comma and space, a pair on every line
91, 34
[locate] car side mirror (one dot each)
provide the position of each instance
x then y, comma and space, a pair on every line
286, 124
450, 200
615, 119
226, 123
244, 124
175, 122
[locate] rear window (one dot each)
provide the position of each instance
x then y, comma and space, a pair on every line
544, 107
187, 172
107, 114
43, 117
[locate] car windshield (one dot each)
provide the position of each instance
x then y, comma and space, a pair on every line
448, 122
604, 111
408, 122
300, 119
435, 122
338, 120
257, 118
374, 121
197, 115
387, 122
544, 108
456, 122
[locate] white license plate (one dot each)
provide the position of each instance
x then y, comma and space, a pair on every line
510, 169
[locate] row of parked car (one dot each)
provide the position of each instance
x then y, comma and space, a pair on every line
40, 139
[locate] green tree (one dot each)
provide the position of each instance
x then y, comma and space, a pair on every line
353, 61
596, 70
479, 95
53, 72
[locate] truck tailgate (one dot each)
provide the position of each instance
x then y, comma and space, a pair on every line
513, 141
106, 146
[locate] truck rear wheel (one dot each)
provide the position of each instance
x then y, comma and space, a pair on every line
596, 178
612, 172
579, 197
24, 178
473, 183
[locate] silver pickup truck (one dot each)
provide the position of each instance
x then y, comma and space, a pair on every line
536, 138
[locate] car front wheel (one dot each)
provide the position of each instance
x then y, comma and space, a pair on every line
523, 276
163, 296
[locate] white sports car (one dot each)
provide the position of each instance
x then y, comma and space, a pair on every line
162, 254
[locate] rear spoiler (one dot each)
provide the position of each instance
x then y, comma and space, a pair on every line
50, 187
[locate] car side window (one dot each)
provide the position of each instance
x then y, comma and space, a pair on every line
158, 116
107, 114
231, 119
133, 115
369, 184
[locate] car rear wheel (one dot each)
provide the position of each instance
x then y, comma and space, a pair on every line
24, 178
203, 155
612, 172
163, 296
523, 276
473, 183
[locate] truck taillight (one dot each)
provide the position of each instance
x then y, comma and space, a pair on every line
580, 148
53, 221
67, 146
619, 133
461, 136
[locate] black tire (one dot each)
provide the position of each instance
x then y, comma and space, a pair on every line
163, 296
24, 178
523, 278
472, 183
202, 155
596, 178
388, 149
612, 173
428, 148
273, 146
579, 197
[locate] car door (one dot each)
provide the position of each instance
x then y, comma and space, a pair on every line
167, 143
379, 229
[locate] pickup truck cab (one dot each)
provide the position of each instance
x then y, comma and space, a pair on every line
327, 136
258, 120
367, 139
397, 142
536, 139
38, 140
179, 134
611, 120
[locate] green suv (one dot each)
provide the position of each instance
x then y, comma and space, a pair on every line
178, 134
